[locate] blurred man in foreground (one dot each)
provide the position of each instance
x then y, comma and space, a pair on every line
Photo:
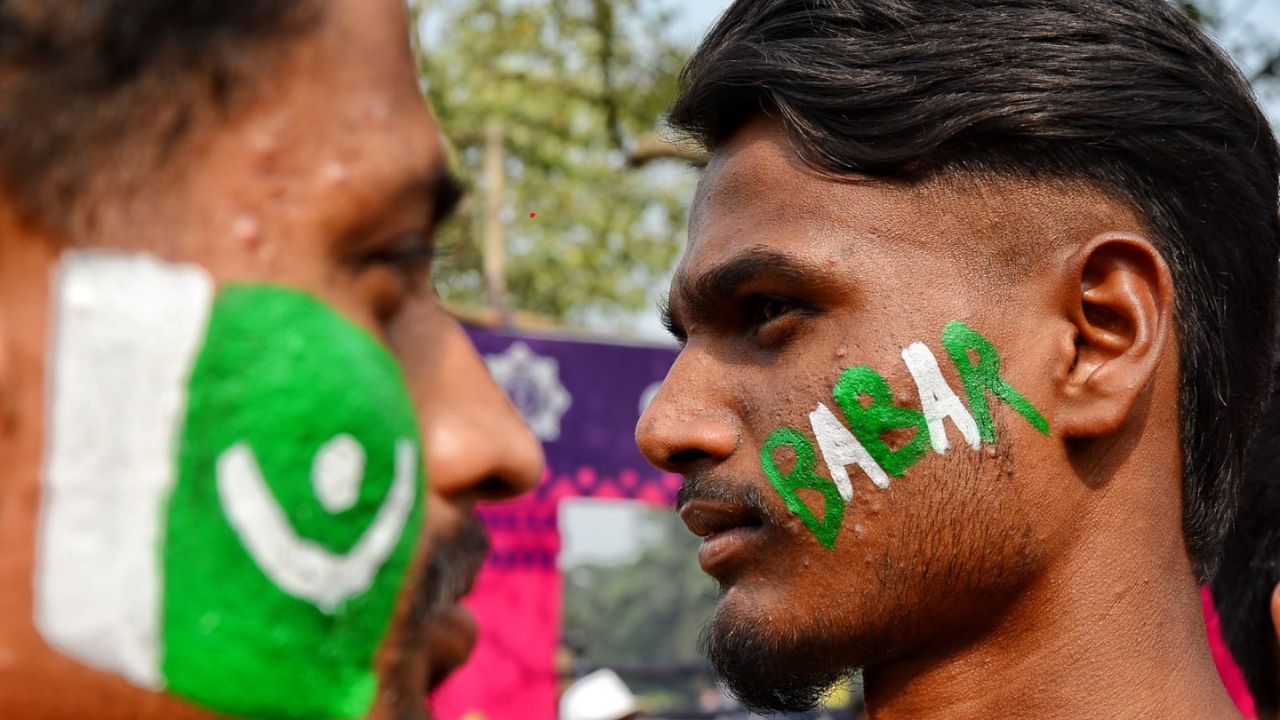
1246, 588
971, 315
222, 359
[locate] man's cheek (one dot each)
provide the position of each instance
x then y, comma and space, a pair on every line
232, 493
884, 440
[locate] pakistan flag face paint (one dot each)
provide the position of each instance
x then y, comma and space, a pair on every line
230, 502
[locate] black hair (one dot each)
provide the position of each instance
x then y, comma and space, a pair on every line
1128, 96
94, 91
1250, 568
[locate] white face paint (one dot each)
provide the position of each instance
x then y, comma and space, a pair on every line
840, 448
937, 399
336, 473
116, 401
299, 566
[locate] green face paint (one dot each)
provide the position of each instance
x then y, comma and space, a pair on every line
300, 429
232, 493
870, 423
802, 477
983, 377
865, 446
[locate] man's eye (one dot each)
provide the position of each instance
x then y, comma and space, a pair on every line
763, 309
770, 317
409, 255
393, 272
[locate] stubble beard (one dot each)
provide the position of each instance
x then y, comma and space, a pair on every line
958, 544
454, 561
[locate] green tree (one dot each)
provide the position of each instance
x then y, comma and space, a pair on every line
554, 108
649, 611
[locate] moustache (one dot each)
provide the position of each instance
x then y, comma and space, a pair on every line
703, 486
455, 561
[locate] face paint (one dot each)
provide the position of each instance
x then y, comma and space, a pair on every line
878, 417
983, 377
937, 400
230, 501
841, 448
865, 446
803, 477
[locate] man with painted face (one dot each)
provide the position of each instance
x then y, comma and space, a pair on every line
975, 315
224, 376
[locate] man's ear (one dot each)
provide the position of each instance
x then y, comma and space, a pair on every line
1119, 300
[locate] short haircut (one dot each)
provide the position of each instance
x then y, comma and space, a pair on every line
97, 94
1127, 96
1250, 568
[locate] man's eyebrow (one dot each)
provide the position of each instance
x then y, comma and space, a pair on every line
703, 297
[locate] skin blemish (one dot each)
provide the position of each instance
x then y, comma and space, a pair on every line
247, 231
336, 173
785, 457
264, 139
376, 111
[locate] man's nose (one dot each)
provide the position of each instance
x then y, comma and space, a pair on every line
683, 427
477, 447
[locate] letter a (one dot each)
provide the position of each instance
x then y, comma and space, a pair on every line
840, 448
937, 399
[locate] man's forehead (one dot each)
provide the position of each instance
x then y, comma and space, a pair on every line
759, 171
758, 191
757, 194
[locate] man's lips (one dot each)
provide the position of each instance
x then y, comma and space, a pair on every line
728, 530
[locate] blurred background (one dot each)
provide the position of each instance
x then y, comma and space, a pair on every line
562, 248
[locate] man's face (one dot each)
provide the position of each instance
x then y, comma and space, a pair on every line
790, 280
328, 180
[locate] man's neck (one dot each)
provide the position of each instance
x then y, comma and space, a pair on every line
1109, 632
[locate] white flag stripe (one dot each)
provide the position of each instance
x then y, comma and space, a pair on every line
125, 333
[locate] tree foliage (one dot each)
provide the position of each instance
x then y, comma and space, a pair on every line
578, 87
645, 611
1253, 45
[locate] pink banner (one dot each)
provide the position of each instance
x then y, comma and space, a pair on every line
1230, 673
516, 601
582, 399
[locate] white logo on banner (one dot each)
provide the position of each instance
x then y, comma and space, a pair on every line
532, 381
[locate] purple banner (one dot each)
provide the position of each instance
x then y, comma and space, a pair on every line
582, 399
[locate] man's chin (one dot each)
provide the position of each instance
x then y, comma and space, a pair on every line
765, 665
